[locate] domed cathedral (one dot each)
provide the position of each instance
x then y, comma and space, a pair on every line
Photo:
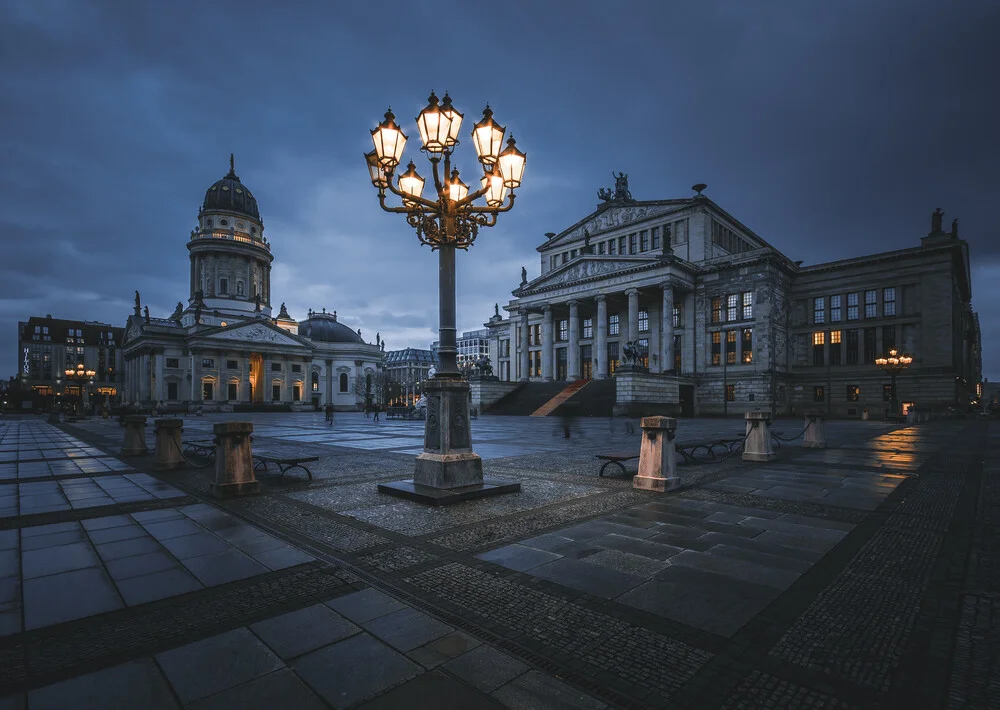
225, 350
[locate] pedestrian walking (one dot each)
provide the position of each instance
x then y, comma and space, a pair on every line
375, 409
329, 414
568, 415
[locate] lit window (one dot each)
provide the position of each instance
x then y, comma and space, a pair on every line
819, 338
747, 305
819, 394
732, 306
717, 348
730, 393
747, 345
853, 393
731, 347
717, 313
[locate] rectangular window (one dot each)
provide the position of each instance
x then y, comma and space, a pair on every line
538, 363
563, 330
588, 328
819, 340
871, 351
730, 393
232, 365
853, 393
234, 391
207, 391
297, 392
717, 312
643, 321
716, 348
275, 393
611, 247
623, 245
173, 362
613, 324
644, 240
889, 301
275, 367
552, 262
888, 338
819, 393
296, 368
676, 317
871, 303
747, 299
732, 307
223, 287
886, 393
632, 242
852, 346
572, 253
834, 347
564, 256
207, 362
643, 346
731, 347
655, 232
172, 391
747, 346
677, 353
612, 357
852, 306
819, 310
835, 309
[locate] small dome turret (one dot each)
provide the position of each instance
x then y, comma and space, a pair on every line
231, 195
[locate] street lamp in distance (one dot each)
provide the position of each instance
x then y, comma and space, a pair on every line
893, 363
82, 377
448, 470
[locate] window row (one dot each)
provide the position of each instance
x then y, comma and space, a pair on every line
733, 307
852, 340
587, 328
871, 310
745, 350
644, 240
589, 362
853, 393
728, 239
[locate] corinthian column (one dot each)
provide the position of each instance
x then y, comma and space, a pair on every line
523, 354
633, 314
667, 331
547, 344
602, 338
574, 337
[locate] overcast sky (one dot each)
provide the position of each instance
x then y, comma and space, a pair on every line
832, 129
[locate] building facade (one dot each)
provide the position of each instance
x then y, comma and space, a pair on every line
407, 369
722, 322
48, 346
225, 348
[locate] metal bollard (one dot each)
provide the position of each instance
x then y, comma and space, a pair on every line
168, 444
233, 460
758, 437
135, 436
657, 456
815, 434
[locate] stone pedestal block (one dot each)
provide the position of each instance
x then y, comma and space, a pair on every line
54, 417
168, 444
815, 434
233, 460
758, 443
657, 456
135, 435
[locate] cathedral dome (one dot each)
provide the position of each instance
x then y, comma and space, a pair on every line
231, 195
324, 328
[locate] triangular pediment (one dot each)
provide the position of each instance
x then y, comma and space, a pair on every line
609, 219
262, 332
133, 330
584, 268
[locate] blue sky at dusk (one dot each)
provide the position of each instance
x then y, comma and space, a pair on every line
832, 130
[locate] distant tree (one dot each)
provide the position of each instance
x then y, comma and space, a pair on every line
375, 388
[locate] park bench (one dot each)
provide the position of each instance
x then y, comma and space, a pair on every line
200, 447
395, 413
284, 463
616, 459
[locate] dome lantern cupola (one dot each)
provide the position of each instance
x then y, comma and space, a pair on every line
231, 195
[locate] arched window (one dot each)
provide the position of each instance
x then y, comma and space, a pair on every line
368, 383
343, 381
315, 382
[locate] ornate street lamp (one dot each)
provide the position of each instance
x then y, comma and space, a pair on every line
447, 470
81, 376
893, 363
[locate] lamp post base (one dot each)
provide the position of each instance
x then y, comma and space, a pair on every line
448, 471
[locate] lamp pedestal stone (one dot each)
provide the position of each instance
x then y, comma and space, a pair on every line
657, 456
233, 460
135, 435
815, 435
758, 437
448, 471
168, 444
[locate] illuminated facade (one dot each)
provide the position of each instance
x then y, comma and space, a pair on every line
226, 348
724, 322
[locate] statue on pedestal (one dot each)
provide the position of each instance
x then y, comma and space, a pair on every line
146, 314
137, 305
524, 276
936, 221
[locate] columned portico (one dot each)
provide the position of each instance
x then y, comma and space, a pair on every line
574, 340
602, 338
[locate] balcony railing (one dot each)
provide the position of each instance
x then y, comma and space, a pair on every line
231, 236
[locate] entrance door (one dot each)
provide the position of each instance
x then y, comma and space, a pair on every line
561, 364
256, 377
586, 362
686, 396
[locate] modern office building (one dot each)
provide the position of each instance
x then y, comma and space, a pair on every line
722, 322
407, 369
225, 347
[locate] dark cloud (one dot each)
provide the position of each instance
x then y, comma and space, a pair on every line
832, 130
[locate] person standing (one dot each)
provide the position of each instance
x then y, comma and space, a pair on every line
329, 414
375, 409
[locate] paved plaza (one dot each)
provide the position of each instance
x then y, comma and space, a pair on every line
862, 575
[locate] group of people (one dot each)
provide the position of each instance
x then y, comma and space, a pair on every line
373, 409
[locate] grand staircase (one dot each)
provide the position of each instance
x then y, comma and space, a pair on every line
553, 404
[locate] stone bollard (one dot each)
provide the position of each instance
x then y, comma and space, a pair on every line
657, 456
135, 436
758, 443
233, 460
168, 444
815, 434
54, 417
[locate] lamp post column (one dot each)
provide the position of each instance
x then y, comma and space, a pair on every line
602, 338
547, 355
523, 354
574, 345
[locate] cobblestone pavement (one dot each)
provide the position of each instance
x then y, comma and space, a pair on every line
863, 575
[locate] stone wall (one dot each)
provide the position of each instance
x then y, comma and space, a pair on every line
487, 392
